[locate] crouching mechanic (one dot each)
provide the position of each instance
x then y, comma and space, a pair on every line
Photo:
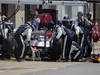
23, 37
64, 31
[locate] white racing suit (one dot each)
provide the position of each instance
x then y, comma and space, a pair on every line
22, 37
67, 35
6, 29
85, 43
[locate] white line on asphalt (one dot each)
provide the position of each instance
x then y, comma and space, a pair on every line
42, 69
1, 71
52, 68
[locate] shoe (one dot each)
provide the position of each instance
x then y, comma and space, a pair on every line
82, 60
19, 60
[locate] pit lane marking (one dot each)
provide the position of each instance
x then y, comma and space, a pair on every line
2, 71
